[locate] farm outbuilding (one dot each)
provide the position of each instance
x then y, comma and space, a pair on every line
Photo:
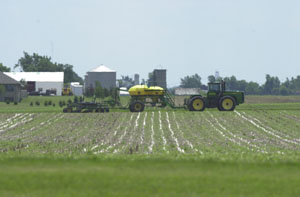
102, 74
10, 89
160, 77
76, 88
40, 81
187, 91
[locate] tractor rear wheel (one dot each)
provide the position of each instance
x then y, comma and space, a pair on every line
137, 106
197, 103
227, 103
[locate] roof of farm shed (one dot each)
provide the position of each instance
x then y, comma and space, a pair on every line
37, 76
4, 79
102, 68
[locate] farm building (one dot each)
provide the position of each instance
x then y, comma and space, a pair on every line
76, 88
42, 82
10, 89
124, 91
105, 76
136, 79
187, 91
160, 77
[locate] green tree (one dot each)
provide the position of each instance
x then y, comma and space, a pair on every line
150, 81
193, 81
126, 81
211, 78
99, 92
105, 92
70, 75
252, 88
284, 91
4, 68
115, 94
272, 85
37, 63
231, 83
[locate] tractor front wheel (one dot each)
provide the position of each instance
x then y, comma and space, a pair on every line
196, 104
137, 106
227, 103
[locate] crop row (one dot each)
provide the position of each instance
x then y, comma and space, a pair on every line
159, 132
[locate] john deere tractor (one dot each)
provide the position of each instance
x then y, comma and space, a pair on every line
217, 97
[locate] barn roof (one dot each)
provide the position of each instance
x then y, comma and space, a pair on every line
37, 76
102, 68
4, 79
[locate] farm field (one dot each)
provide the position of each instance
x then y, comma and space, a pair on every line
252, 152
209, 134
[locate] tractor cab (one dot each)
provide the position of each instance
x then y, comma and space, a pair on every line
216, 87
215, 91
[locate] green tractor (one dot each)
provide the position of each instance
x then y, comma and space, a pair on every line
217, 97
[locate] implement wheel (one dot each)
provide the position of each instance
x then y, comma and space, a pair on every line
137, 106
68, 110
197, 103
227, 103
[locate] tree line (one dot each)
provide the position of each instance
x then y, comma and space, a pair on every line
38, 63
272, 85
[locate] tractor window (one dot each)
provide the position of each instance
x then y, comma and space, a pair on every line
215, 87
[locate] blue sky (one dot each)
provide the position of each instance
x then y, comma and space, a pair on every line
245, 38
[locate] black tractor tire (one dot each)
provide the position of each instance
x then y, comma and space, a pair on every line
219, 107
227, 103
196, 103
137, 106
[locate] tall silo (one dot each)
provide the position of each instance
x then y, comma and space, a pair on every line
160, 77
104, 75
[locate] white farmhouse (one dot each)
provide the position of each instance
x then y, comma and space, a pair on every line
40, 81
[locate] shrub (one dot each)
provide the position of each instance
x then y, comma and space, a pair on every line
75, 99
16, 103
50, 102
81, 99
46, 103
37, 103
69, 101
53, 104
7, 102
31, 103
60, 103
63, 103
